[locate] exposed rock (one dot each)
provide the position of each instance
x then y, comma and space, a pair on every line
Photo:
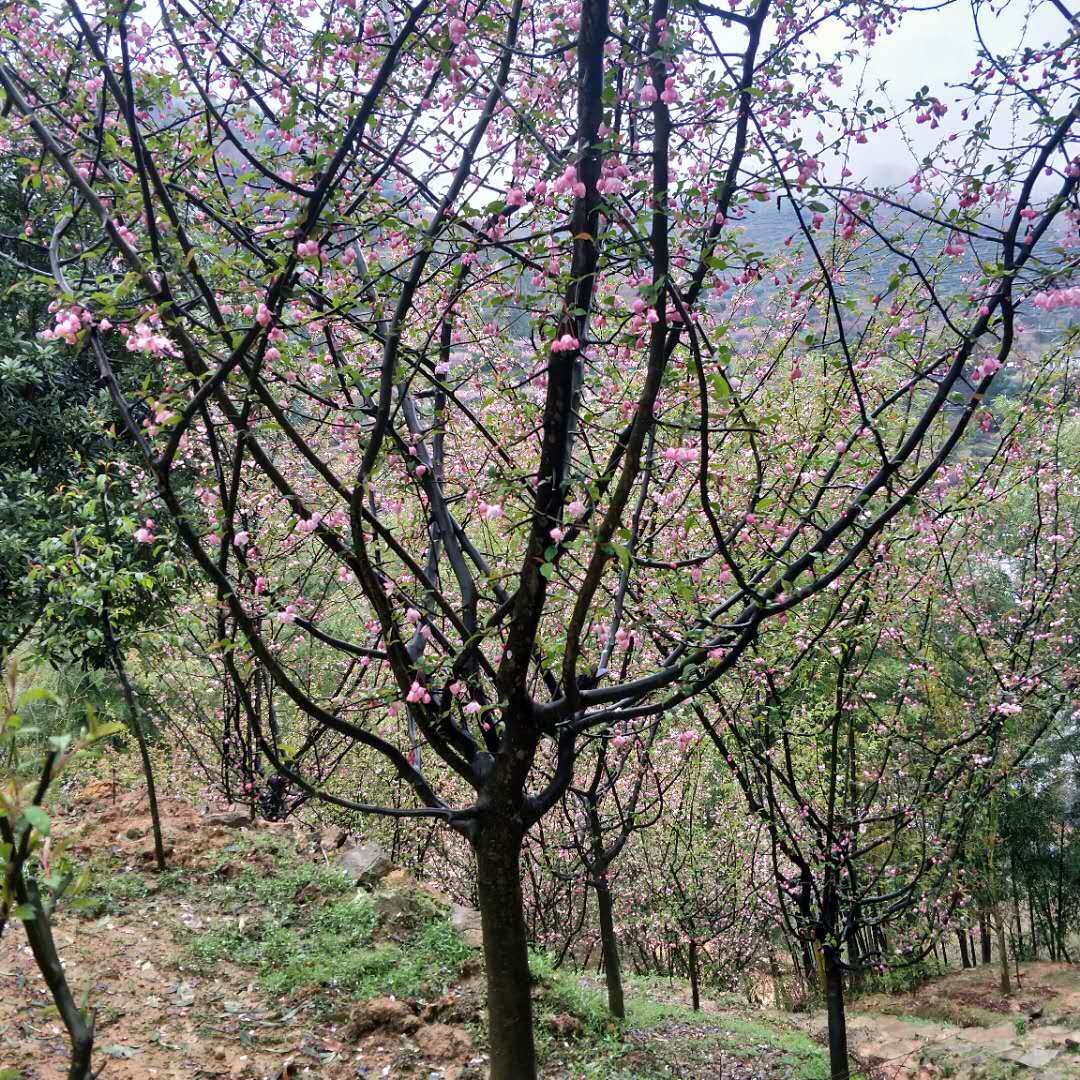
398, 900
565, 1026
441, 1042
466, 921
382, 1013
367, 863
147, 852
1036, 1058
229, 819
332, 839
451, 1009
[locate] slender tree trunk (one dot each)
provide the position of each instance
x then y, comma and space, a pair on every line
695, 984
80, 1028
1061, 893
834, 1005
610, 946
1014, 895
506, 952
962, 939
984, 937
855, 959
134, 719
1034, 926
971, 947
148, 772
1003, 952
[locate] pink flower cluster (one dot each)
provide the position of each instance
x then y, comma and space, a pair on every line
566, 343
145, 339
144, 534
569, 182
1057, 298
681, 454
69, 324
418, 694
990, 366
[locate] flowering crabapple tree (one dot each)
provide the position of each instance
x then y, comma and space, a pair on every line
446, 302
706, 873
910, 700
621, 792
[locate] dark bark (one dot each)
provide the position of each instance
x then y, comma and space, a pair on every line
961, 937
1003, 958
695, 977
135, 724
839, 1068
984, 937
506, 952
39, 933
134, 719
610, 946
1034, 927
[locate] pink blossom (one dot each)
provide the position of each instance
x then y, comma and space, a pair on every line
417, 694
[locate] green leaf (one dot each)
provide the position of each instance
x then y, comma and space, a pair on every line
548, 570
37, 818
24, 913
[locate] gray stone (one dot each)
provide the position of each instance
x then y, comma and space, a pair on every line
1038, 1057
230, 819
466, 921
367, 863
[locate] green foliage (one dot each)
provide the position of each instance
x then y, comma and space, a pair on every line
904, 979
303, 925
604, 1051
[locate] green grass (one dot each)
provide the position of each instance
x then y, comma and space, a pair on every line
603, 1053
803, 1057
299, 924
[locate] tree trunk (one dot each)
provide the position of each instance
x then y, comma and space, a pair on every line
506, 953
984, 937
971, 947
80, 1029
962, 939
834, 1004
1003, 957
1034, 926
134, 719
610, 946
695, 985
135, 724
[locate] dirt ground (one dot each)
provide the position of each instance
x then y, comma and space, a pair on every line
157, 1016
960, 1025
153, 1018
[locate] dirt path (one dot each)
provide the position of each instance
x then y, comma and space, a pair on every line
960, 1026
